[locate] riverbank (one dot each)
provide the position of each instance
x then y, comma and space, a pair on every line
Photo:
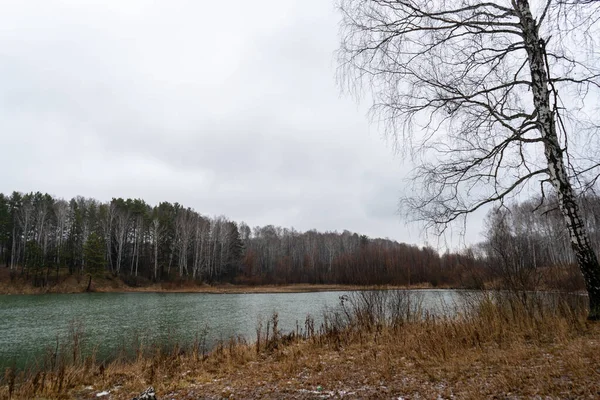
79, 284
506, 348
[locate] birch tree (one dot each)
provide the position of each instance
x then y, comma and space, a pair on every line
490, 98
61, 211
184, 228
202, 232
4, 228
156, 231
107, 218
25, 215
122, 222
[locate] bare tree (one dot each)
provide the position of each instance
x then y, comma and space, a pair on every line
201, 233
107, 220
491, 97
156, 231
61, 211
137, 230
184, 229
513, 251
25, 217
120, 231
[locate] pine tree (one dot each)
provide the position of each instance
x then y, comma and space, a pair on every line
93, 251
236, 248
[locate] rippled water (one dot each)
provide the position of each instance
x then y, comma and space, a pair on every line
34, 325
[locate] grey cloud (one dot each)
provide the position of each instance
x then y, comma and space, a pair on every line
229, 108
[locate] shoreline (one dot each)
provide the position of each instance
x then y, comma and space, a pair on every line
71, 284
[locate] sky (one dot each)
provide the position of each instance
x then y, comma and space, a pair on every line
231, 108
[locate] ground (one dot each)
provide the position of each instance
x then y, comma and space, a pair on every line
563, 370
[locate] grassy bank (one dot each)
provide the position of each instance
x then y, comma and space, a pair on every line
107, 284
376, 346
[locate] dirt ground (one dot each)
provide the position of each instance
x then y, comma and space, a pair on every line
564, 370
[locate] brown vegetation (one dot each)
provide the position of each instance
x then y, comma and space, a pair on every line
109, 284
377, 346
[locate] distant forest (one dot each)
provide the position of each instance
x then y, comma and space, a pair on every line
525, 246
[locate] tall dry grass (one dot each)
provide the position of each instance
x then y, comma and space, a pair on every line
500, 318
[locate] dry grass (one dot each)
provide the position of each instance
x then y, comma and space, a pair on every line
78, 283
378, 346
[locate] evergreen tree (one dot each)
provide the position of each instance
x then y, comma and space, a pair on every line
93, 252
236, 248
34, 261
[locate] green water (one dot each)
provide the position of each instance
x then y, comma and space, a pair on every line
33, 326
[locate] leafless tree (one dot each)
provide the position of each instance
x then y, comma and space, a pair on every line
107, 220
218, 238
138, 233
25, 217
217, 249
491, 97
201, 234
42, 211
61, 211
156, 231
513, 252
184, 229
122, 222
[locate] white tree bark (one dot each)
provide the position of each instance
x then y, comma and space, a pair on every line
567, 202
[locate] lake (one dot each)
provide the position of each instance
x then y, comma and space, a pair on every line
31, 326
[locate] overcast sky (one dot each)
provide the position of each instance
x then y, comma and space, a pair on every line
230, 108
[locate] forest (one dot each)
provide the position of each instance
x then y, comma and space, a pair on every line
525, 247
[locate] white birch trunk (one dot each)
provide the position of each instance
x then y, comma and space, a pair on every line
567, 202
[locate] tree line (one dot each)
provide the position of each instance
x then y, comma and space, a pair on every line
526, 246
41, 235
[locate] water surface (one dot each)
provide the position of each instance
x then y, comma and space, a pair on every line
32, 326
